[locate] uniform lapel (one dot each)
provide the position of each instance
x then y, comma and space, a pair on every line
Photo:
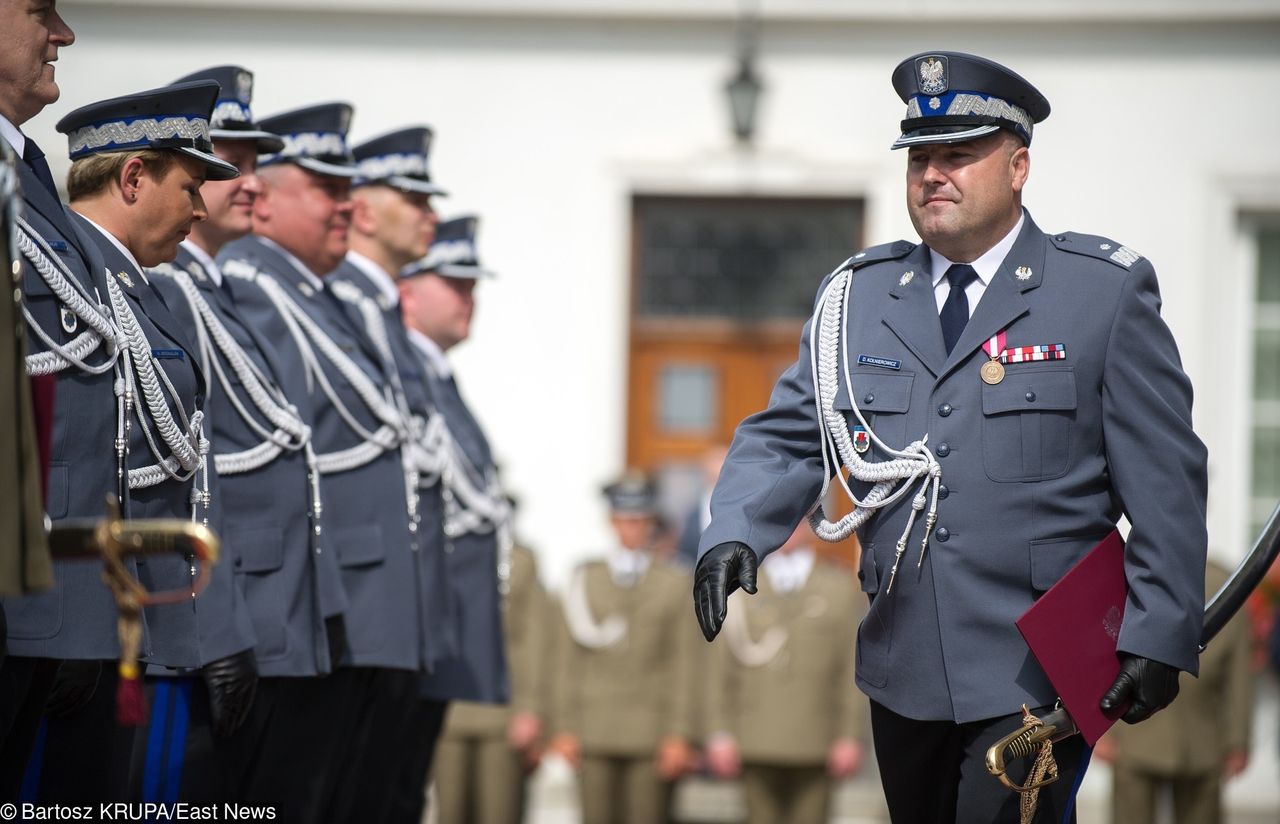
913, 314
1003, 302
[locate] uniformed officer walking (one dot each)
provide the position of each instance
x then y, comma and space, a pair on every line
1053, 401
782, 711
625, 701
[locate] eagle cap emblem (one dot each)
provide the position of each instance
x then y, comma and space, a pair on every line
932, 71
244, 87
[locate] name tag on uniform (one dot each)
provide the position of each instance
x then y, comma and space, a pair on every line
58, 245
168, 354
883, 363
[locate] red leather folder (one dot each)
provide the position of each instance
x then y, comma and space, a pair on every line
1073, 629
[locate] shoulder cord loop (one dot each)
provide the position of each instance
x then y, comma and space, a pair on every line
915, 462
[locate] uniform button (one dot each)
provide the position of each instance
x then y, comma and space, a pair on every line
944, 410
943, 450
1031, 396
870, 398
943, 534
943, 492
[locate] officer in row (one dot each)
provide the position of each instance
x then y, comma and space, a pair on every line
1001, 397
69, 630
437, 298
260, 749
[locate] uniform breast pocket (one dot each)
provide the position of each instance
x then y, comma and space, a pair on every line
884, 398
1027, 424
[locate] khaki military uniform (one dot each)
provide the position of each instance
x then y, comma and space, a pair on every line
479, 778
24, 555
781, 683
628, 688
1183, 746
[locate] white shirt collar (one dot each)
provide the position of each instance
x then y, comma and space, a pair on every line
432, 352
215, 274
13, 136
627, 566
379, 276
789, 571
308, 275
121, 247
988, 264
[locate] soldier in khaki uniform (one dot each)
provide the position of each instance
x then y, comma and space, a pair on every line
624, 697
1201, 739
788, 717
487, 750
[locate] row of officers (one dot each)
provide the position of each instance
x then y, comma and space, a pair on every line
218, 316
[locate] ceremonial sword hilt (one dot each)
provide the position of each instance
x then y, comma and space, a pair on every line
113, 539
1026, 742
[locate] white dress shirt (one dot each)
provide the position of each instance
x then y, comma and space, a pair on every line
986, 267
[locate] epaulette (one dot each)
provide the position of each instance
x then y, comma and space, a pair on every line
242, 269
1096, 246
347, 291
166, 269
875, 254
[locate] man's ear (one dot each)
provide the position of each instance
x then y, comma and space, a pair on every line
362, 215
130, 179
1020, 166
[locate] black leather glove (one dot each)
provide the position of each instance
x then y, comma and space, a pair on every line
232, 683
335, 631
723, 569
73, 686
1143, 688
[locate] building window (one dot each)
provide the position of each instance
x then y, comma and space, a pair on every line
1265, 489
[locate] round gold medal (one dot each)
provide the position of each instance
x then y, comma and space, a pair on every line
992, 372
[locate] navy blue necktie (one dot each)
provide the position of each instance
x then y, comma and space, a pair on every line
955, 311
34, 158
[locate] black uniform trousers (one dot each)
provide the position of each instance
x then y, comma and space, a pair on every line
82, 757
421, 733
285, 755
24, 687
934, 772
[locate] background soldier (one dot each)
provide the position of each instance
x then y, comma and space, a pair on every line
1195, 745
784, 712
624, 693
487, 751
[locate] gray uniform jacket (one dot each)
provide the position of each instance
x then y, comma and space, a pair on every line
216, 622
479, 671
366, 518
77, 618
1037, 469
265, 518
439, 629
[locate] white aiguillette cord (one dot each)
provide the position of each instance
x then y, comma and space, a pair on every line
914, 463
